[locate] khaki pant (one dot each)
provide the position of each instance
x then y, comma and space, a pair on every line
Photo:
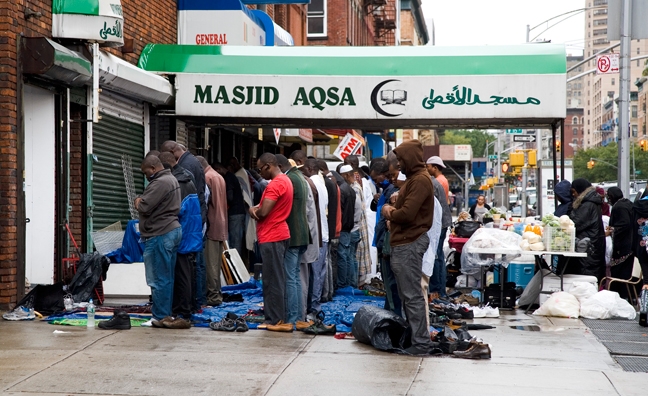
213, 263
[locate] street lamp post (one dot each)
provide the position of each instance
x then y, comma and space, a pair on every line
569, 15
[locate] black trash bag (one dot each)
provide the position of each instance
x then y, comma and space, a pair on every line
45, 299
383, 329
89, 270
466, 229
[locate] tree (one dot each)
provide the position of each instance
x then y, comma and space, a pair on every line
478, 139
607, 172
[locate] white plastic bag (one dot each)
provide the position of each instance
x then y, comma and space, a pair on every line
560, 304
503, 242
624, 309
602, 305
582, 290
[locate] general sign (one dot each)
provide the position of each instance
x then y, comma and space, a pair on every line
358, 97
513, 131
101, 21
607, 64
524, 138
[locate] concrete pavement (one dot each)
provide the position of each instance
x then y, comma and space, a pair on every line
563, 358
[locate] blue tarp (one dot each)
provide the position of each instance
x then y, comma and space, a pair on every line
340, 311
132, 249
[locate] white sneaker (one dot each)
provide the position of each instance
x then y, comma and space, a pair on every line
20, 313
479, 312
148, 323
492, 312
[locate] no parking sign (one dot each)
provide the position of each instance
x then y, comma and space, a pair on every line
607, 64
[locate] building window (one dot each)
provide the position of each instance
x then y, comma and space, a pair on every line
612, 82
633, 112
575, 120
317, 18
634, 130
583, 119
575, 131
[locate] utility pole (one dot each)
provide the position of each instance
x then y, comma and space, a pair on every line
624, 97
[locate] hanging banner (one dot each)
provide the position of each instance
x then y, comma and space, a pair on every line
348, 146
277, 134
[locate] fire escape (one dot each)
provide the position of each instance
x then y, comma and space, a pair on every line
384, 15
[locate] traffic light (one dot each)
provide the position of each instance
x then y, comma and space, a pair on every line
643, 144
590, 164
531, 158
557, 146
505, 167
516, 159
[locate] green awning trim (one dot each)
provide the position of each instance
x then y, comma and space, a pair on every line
84, 7
71, 60
356, 61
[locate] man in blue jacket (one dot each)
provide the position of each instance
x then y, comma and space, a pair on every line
191, 242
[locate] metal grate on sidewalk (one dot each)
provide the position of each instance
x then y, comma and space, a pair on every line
627, 348
605, 335
633, 364
622, 326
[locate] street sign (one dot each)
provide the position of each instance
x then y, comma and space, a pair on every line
512, 131
607, 64
637, 172
524, 138
492, 157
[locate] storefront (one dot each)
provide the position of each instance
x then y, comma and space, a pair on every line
74, 169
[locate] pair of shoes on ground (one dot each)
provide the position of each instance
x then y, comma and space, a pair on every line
20, 313
168, 322
231, 322
477, 350
119, 321
486, 312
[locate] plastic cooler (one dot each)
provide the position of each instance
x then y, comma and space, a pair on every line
520, 271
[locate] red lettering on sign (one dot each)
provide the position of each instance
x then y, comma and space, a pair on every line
211, 39
348, 149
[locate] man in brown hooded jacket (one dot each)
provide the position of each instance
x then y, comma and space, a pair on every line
410, 219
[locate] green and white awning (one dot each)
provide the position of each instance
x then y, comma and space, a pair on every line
384, 86
99, 21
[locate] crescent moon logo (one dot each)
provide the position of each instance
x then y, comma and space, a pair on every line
374, 99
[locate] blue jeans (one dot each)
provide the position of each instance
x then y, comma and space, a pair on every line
200, 286
347, 273
438, 278
159, 265
318, 272
293, 296
236, 232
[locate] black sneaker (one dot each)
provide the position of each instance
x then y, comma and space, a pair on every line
119, 321
319, 328
241, 326
228, 323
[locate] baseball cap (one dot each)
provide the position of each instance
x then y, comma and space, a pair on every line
436, 160
346, 169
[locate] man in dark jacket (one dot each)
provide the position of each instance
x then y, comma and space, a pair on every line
158, 208
334, 223
190, 163
586, 215
621, 228
562, 191
411, 218
190, 243
347, 204
640, 230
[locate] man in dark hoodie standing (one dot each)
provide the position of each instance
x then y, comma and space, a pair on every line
587, 218
562, 191
411, 218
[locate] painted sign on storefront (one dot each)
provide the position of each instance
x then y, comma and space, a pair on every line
99, 21
438, 97
223, 22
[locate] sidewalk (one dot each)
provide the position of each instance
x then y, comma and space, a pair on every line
563, 358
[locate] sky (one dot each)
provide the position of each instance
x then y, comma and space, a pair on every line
503, 22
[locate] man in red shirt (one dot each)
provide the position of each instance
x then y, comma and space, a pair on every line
273, 235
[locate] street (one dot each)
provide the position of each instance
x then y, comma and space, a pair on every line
563, 358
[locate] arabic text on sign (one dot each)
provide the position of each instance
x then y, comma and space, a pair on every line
465, 96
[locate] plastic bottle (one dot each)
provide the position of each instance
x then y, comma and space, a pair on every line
90, 310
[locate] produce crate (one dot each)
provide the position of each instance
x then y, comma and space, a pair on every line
558, 240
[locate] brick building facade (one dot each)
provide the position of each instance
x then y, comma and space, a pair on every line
144, 23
